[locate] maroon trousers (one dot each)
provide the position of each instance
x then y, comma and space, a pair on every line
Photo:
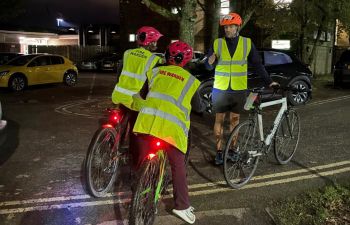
141, 144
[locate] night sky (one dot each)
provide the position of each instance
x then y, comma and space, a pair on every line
43, 13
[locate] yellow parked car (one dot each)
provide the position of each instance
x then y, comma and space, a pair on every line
34, 69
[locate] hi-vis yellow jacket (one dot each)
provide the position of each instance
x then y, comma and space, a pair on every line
231, 70
136, 63
165, 113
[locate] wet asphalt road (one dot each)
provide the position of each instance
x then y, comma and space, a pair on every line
50, 127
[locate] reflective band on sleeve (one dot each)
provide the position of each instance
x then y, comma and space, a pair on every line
155, 72
186, 88
124, 91
141, 77
166, 116
170, 99
227, 74
149, 63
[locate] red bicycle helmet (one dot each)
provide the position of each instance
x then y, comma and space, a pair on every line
178, 53
146, 35
232, 18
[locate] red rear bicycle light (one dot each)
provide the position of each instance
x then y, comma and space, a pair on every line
115, 117
151, 156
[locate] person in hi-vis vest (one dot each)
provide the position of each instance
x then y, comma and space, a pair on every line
165, 115
132, 80
230, 56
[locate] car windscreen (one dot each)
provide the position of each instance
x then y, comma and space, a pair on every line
21, 60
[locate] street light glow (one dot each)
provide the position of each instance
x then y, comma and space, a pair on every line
59, 20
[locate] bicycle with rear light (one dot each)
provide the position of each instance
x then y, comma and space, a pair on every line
105, 153
153, 179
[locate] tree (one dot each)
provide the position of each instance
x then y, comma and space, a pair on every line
319, 16
186, 16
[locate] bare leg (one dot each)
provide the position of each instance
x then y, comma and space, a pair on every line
234, 120
219, 129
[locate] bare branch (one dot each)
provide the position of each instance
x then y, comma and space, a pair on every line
160, 10
201, 5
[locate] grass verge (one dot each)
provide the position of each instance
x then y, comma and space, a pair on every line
329, 206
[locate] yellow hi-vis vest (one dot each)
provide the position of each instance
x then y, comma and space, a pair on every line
165, 113
136, 63
231, 70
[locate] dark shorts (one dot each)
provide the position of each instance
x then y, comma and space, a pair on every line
225, 101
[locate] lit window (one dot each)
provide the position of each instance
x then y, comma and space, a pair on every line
174, 10
225, 7
225, 11
132, 37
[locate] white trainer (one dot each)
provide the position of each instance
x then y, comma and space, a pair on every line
186, 214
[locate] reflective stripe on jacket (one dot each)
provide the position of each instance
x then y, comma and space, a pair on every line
231, 70
165, 113
136, 63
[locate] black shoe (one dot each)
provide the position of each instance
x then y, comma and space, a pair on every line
218, 158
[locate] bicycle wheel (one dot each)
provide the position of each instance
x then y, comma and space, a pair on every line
102, 161
240, 156
144, 202
287, 137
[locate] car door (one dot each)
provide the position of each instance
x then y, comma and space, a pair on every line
39, 70
57, 68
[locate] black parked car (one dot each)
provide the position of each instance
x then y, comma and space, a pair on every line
282, 66
7, 56
342, 69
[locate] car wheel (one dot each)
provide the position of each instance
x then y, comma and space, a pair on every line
301, 95
70, 79
17, 83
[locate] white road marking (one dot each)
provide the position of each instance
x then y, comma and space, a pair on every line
212, 190
58, 199
274, 182
63, 206
340, 98
275, 175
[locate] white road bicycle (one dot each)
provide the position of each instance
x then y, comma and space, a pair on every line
247, 142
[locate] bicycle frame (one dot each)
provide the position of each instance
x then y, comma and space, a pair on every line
283, 109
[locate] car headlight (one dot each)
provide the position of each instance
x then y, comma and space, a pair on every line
3, 73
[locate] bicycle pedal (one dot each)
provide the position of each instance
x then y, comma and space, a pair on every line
257, 154
254, 153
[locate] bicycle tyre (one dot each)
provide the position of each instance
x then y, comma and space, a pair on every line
247, 140
287, 137
103, 137
143, 204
